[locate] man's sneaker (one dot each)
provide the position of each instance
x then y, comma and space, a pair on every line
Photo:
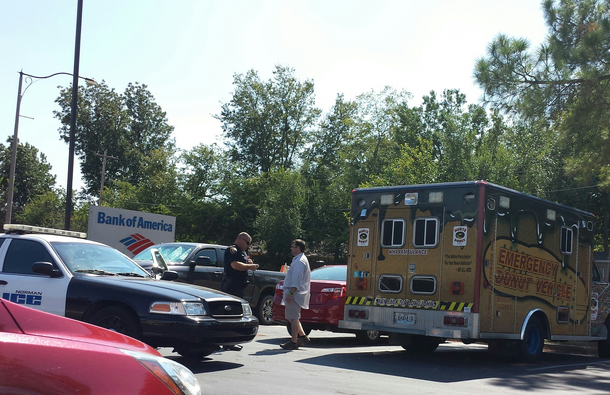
289, 345
302, 340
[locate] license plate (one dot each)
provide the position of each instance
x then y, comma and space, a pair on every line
404, 318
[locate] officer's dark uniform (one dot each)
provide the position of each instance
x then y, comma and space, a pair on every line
234, 281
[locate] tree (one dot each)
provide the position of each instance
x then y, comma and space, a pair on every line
130, 126
563, 87
281, 213
46, 210
202, 172
267, 123
32, 175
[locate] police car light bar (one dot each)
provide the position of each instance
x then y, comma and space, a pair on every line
39, 229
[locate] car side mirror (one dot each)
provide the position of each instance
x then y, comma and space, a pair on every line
45, 268
202, 261
158, 263
169, 275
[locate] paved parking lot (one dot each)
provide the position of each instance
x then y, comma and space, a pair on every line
338, 364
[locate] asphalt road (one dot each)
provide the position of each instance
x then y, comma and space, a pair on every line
338, 364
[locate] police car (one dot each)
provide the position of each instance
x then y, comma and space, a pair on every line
61, 272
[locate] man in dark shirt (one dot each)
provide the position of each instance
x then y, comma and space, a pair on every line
236, 266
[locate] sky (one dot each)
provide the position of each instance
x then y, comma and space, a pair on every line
188, 51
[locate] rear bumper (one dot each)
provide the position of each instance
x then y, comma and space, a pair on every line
426, 323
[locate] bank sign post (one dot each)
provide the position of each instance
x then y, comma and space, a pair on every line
129, 231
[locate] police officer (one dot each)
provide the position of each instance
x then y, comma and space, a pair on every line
236, 266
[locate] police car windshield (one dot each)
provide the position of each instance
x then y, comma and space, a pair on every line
172, 253
96, 259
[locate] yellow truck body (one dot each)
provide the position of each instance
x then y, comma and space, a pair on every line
472, 261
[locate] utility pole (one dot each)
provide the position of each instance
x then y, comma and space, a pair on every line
103, 172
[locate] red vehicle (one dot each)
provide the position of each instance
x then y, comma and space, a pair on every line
42, 353
326, 304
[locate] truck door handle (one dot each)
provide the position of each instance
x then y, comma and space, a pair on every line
218, 273
2, 282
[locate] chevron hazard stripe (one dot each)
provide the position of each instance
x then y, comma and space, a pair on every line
455, 306
355, 300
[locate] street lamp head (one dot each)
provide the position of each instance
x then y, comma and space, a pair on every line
91, 81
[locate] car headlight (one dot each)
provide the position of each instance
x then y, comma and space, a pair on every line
178, 308
245, 306
176, 376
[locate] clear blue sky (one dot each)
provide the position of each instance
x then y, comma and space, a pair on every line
187, 52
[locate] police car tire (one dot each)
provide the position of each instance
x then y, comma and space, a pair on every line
118, 319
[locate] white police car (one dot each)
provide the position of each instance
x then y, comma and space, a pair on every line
54, 271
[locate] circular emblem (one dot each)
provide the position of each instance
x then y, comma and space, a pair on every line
228, 308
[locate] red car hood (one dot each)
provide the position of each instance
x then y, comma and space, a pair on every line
39, 323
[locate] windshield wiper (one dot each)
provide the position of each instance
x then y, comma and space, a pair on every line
130, 274
96, 271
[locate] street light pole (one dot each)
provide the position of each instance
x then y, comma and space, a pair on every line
11, 178
73, 114
11, 174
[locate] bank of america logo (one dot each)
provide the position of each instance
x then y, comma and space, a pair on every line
136, 243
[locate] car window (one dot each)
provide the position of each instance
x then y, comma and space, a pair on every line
22, 254
331, 273
175, 253
84, 257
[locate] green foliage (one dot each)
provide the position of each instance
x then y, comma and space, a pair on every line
46, 210
130, 127
280, 215
33, 176
267, 123
204, 168
563, 88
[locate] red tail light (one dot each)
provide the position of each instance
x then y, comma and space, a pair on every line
326, 294
361, 314
455, 321
279, 289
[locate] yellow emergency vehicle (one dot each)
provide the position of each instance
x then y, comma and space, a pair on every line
476, 262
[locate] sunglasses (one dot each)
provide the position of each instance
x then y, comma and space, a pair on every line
247, 242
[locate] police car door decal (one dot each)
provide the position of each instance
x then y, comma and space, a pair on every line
20, 285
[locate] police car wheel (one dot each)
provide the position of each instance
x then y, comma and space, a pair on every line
118, 319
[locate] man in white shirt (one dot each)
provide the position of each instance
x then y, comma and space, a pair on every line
296, 294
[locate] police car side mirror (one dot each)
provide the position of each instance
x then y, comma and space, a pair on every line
169, 275
45, 268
